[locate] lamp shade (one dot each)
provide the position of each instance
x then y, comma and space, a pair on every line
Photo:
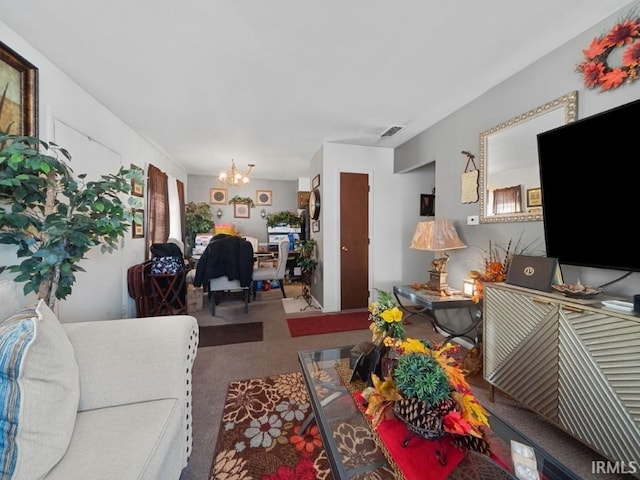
436, 235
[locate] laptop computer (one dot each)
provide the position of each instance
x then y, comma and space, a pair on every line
536, 273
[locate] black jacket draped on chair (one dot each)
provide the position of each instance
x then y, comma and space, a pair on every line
226, 255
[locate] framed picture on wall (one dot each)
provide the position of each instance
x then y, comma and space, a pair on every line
315, 225
137, 228
303, 199
263, 197
19, 92
218, 196
137, 186
534, 197
315, 183
427, 204
241, 210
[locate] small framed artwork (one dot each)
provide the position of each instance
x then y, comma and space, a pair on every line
137, 228
534, 197
241, 210
263, 197
303, 199
137, 185
315, 183
18, 94
427, 204
218, 196
315, 225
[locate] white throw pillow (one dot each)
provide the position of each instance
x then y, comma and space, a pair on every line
39, 393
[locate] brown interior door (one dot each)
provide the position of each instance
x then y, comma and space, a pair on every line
354, 240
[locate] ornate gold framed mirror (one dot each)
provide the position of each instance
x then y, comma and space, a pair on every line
509, 161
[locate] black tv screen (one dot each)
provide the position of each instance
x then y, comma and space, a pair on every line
590, 183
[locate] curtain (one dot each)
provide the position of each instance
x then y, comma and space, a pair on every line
507, 200
182, 213
157, 208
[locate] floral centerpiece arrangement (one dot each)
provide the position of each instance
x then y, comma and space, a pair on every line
421, 384
495, 264
427, 390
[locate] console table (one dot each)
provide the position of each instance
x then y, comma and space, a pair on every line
575, 362
427, 303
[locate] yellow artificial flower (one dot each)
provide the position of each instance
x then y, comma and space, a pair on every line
389, 342
392, 315
413, 345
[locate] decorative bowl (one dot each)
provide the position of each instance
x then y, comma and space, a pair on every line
577, 290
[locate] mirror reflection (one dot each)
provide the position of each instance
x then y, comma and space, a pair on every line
509, 177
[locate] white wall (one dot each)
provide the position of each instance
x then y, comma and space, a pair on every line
552, 76
62, 101
284, 196
394, 202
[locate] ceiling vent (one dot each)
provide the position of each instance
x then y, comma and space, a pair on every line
391, 131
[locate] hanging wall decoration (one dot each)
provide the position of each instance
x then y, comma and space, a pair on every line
597, 68
469, 180
427, 204
18, 94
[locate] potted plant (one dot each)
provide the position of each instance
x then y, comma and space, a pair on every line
307, 248
305, 261
54, 217
198, 219
283, 218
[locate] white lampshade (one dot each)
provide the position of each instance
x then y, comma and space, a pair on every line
436, 236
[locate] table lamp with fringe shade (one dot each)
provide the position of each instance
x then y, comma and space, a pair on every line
437, 236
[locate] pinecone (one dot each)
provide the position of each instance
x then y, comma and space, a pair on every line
469, 442
421, 418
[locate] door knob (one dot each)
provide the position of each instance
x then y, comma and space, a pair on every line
344, 249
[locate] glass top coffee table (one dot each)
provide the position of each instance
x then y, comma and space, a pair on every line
354, 450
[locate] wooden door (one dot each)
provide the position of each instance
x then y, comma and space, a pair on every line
354, 240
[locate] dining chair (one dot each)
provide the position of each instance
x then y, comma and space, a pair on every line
218, 286
254, 243
262, 274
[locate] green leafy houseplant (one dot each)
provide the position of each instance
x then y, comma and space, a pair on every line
305, 261
307, 264
54, 217
198, 219
283, 218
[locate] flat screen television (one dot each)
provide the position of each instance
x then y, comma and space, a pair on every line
590, 186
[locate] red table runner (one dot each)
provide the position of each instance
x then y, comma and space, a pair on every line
419, 456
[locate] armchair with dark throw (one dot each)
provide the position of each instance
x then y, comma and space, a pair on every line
227, 264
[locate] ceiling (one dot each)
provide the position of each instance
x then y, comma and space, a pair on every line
267, 82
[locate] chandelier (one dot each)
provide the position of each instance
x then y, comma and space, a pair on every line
234, 178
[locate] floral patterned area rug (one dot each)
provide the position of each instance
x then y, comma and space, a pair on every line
259, 435
260, 438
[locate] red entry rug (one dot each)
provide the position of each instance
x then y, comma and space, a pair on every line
338, 322
259, 435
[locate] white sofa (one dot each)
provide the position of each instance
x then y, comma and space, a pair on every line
102, 400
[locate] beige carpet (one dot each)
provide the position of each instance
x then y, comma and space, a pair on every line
216, 366
297, 305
